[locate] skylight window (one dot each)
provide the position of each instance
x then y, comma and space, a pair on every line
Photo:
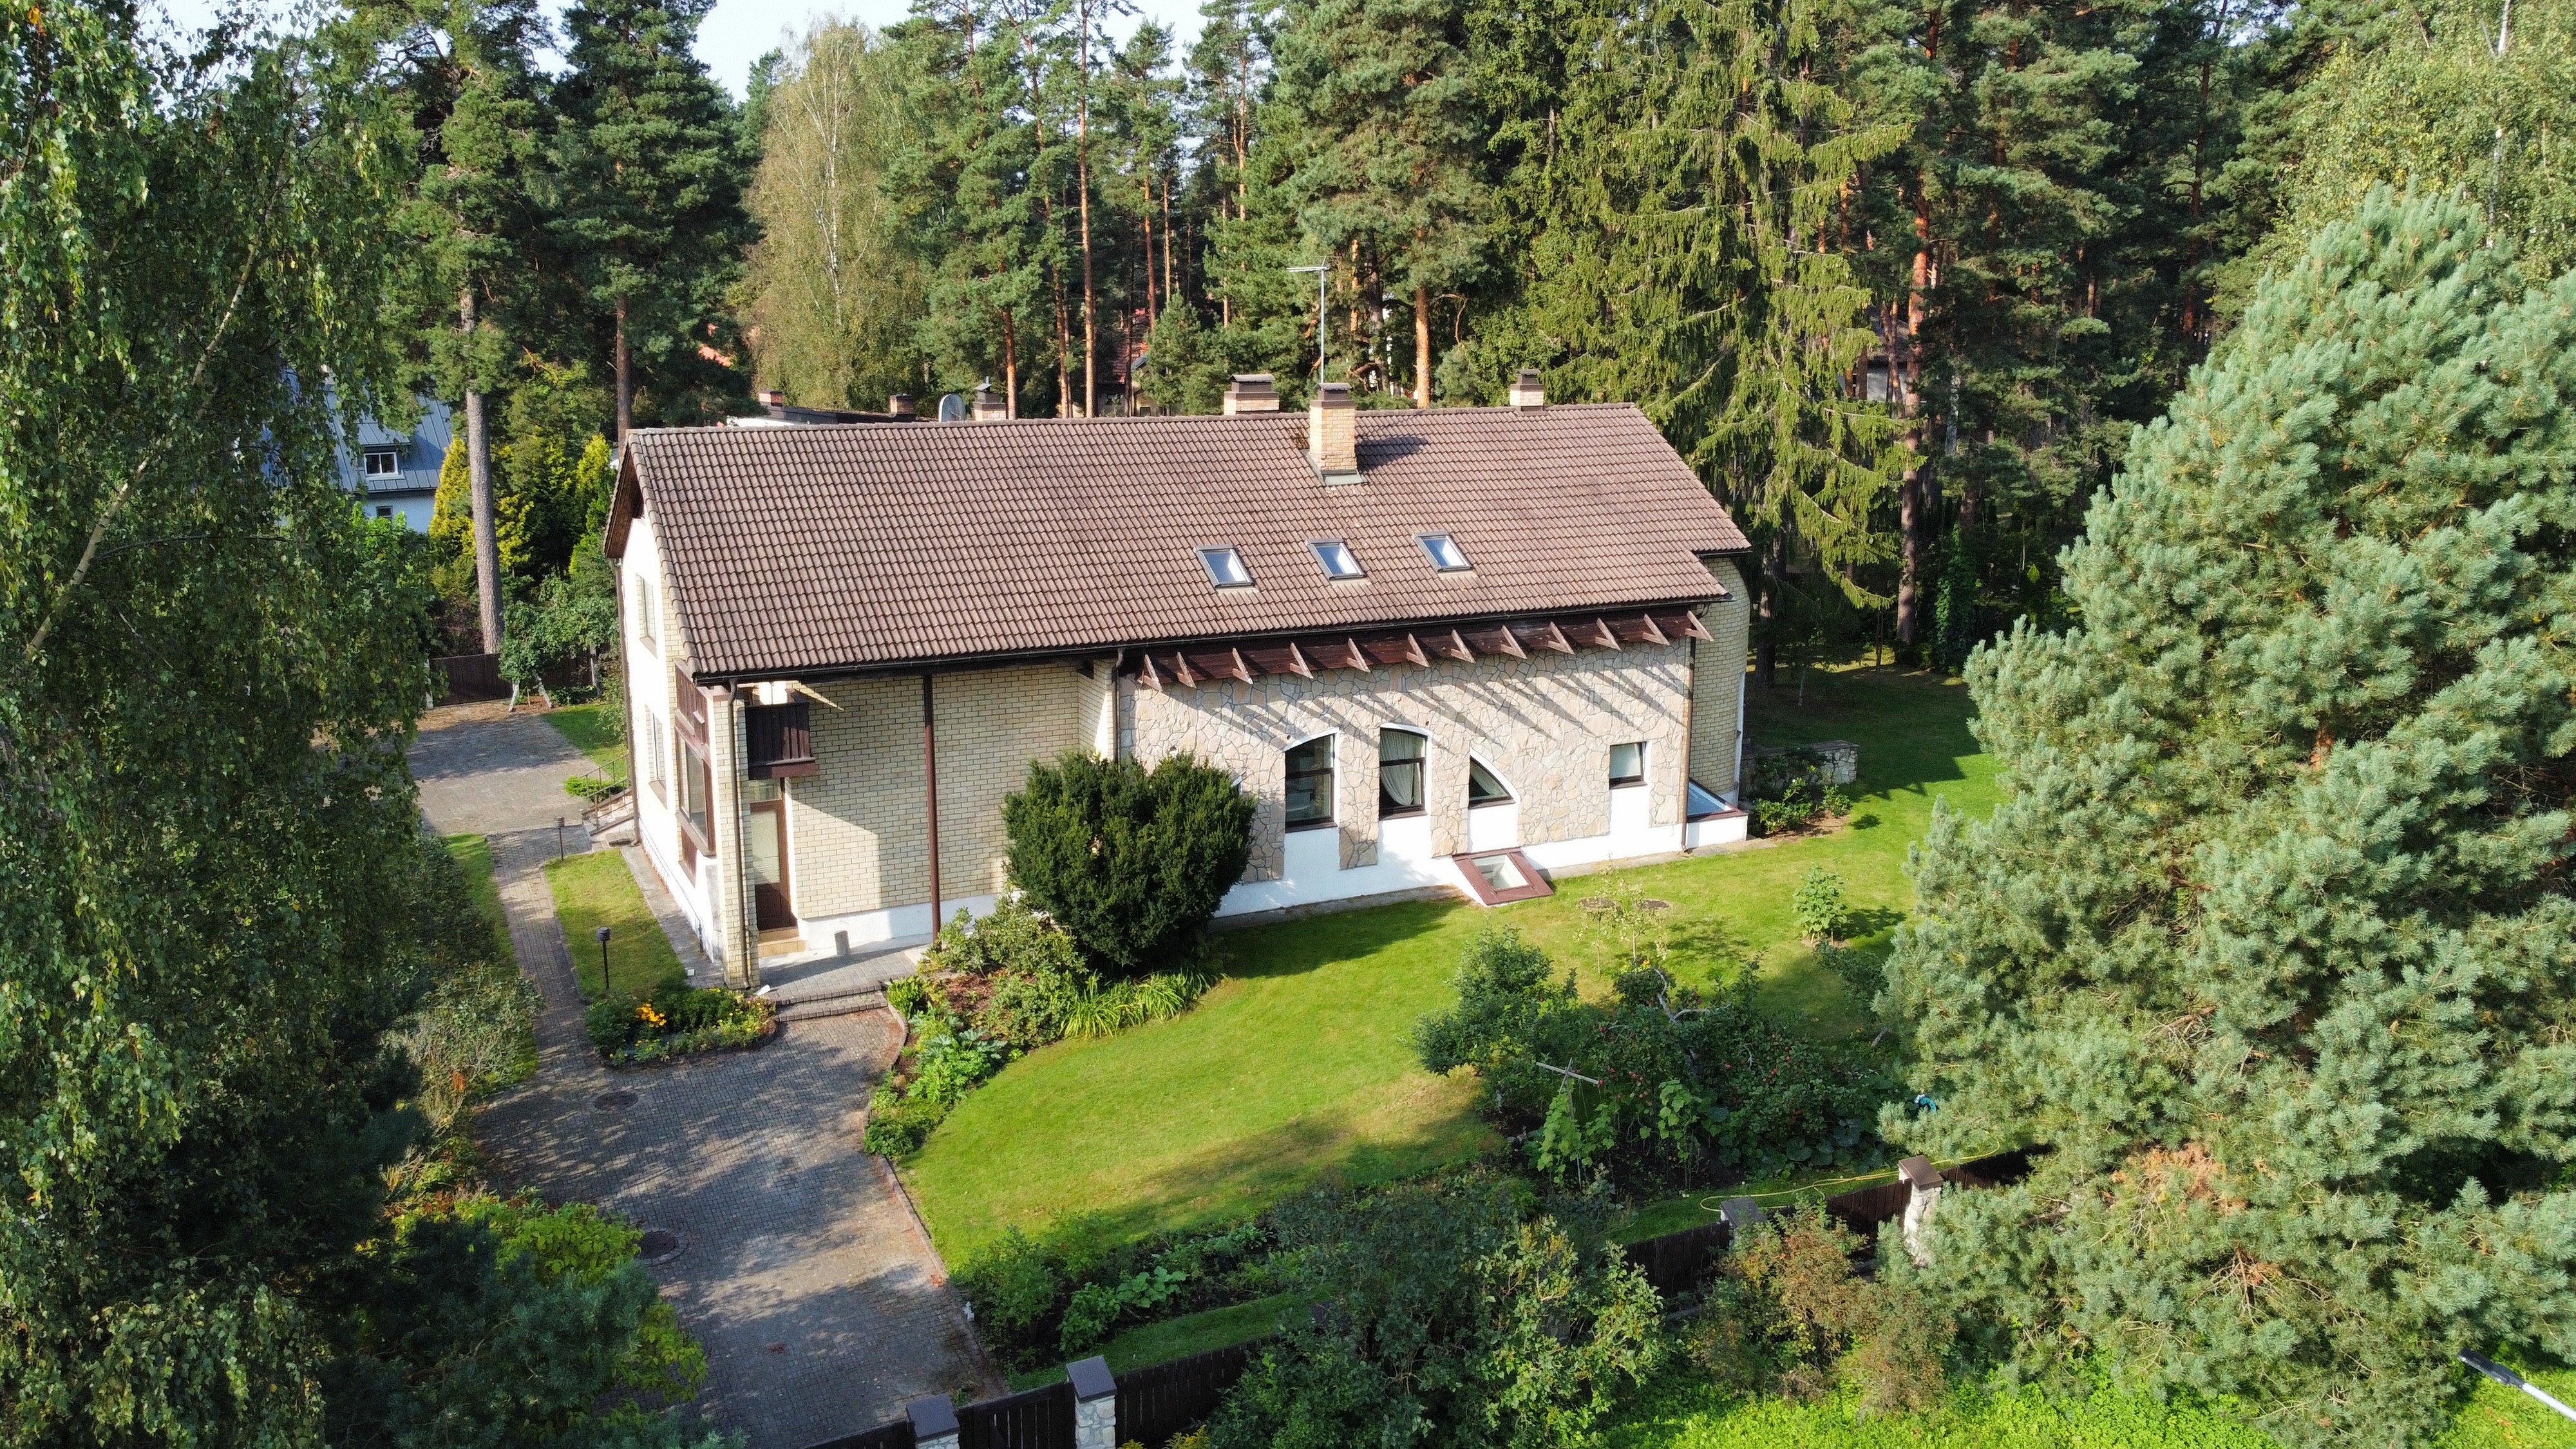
1446, 555
1225, 568
1338, 560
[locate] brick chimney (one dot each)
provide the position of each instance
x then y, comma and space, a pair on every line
989, 407
1527, 391
1332, 433
772, 398
1251, 393
899, 406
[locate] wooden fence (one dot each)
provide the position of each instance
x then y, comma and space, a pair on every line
465, 678
1161, 1400
1040, 1418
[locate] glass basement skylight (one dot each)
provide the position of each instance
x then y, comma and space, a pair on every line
1336, 557
1225, 568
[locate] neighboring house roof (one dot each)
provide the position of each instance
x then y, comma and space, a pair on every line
803, 550
418, 454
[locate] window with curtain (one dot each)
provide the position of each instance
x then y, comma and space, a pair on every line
1483, 788
1399, 772
1310, 784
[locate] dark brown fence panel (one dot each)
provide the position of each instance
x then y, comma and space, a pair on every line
2001, 1170
1041, 1418
1863, 1209
897, 1435
1164, 1399
465, 678
1676, 1262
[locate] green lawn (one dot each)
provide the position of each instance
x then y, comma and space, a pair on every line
1680, 1413
593, 731
595, 890
1298, 1065
1173, 1338
475, 854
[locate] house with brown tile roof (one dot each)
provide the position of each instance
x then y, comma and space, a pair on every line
1456, 650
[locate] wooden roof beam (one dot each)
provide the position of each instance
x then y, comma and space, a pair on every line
1511, 642
1458, 647
1554, 637
1359, 656
1654, 635
1242, 666
1181, 669
1413, 651
1297, 664
1692, 628
1147, 672
1609, 636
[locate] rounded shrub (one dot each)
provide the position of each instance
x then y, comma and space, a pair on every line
1132, 862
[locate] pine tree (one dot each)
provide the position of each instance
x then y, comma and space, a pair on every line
653, 186
1698, 161
2271, 938
1373, 113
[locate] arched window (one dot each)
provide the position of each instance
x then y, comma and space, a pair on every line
1399, 772
1310, 783
1483, 788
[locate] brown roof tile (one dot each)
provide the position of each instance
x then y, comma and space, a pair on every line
806, 549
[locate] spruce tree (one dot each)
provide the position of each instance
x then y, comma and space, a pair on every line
2271, 938
1698, 162
652, 207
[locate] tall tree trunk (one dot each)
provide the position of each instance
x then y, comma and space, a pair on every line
1168, 293
1010, 367
478, 472
1082, 178
1063, 347
625, 380
1421, 345
1910, 510
1766, 636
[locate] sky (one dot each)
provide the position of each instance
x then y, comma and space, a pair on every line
739, 32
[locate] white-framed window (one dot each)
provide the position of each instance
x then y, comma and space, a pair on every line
1225, 568
1338, 560
657, 769
1483, 788
644, 613
1446, 555
1628, 764
383, 462
384, 510
1310, 783
1400, 756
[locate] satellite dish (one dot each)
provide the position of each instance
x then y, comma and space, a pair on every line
952, 408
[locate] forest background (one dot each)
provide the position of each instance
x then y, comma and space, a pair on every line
1898, 278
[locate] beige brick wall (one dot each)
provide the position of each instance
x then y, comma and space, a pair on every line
1545, 723
857, 832
1717, 681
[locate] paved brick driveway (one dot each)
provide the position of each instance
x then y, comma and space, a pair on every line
801, 1267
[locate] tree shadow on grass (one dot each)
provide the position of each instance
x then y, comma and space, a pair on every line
1912, 728
1292, 948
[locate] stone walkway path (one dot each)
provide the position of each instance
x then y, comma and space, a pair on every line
801, 1267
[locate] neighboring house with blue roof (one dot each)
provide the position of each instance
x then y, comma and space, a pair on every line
397, 472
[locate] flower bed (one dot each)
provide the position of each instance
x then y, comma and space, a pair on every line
677, 1021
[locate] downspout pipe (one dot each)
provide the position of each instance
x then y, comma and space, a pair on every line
930, 794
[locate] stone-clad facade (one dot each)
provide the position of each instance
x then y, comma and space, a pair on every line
1544, 724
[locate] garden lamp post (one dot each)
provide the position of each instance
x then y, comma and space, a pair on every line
602, 934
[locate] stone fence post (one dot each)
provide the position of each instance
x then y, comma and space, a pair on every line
934, 1421
1095, 1404
1924, 1186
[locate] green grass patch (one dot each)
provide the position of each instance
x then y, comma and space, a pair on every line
1681, 1412
1173, 1338
594, 890
474, 853
1299, 1066
592, 729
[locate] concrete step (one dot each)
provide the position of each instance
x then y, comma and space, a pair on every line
844, 1003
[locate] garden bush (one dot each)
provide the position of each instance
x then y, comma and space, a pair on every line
1786, 1313
1131, 862
1447, 1313
1788, 791
475, 1032
1671, 1084
675, 1021
1063, 1292
1817, 905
